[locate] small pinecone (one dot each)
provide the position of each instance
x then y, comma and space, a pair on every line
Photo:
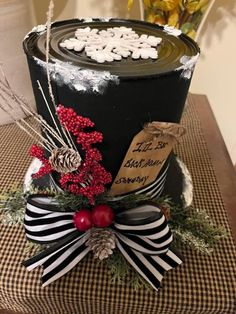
101, 242
65, 160
166, 211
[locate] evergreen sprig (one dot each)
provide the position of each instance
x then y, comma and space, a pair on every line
68, 201
122, 273
35, 247
194, 228
12, 205
118, 268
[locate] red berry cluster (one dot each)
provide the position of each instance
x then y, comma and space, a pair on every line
90, 178
72, 121
38, 152
101, 216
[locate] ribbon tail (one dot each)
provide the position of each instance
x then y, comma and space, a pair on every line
59, 266
60, 258
150, 267
39, 258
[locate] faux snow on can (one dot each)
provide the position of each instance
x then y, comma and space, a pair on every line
119, 96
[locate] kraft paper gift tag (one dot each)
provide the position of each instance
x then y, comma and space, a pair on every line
146, 156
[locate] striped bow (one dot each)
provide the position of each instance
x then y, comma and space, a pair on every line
142, 236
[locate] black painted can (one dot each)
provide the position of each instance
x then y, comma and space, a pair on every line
143, 91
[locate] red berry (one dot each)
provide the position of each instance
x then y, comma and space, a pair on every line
102, 216
83, 220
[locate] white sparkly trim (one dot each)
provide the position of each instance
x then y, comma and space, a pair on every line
86, 19
33, 168
187, 193
171, 30
188, 65
92, 19
37, 29
65, 73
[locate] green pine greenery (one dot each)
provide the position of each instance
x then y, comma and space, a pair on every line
193, 227
13, 202
122, 273
12, 206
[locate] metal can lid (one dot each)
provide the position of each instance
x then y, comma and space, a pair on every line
171, 51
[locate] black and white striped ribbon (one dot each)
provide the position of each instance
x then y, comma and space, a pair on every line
142, 236
155, 189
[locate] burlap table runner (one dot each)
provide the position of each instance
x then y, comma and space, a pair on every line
203, 284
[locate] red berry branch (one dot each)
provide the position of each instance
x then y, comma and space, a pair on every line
38, 152
90, 178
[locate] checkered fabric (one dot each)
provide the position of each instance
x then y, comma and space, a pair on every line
202, 284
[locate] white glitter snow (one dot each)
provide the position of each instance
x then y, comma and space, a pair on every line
188, 66
171, 30
92, 19
187, 193
37, 29
77, 78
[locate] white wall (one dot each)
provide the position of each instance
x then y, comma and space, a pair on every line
86, 8
215, 74
15, 22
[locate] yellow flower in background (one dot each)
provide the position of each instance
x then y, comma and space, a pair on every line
173, 18
193, 6
147, 3
191, 34
129, 4
165, 5
183, 14
155, 18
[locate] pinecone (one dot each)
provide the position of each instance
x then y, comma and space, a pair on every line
65, 160
101, 242
166, 211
